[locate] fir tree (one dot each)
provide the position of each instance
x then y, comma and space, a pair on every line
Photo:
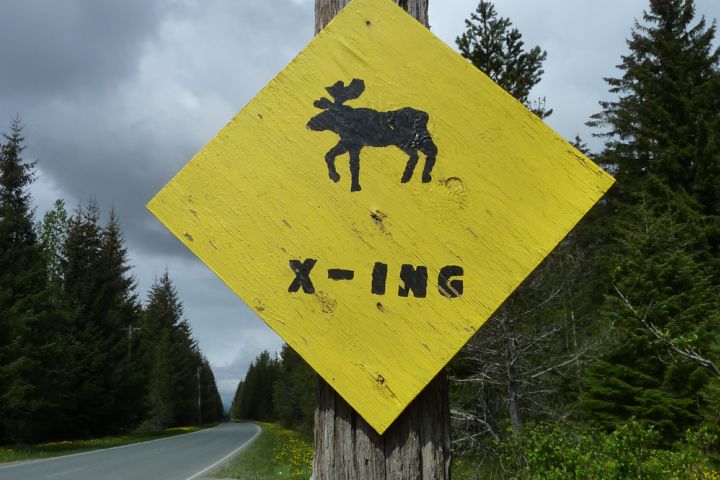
173, 358
659, 246
660, 282
256, 394
81, 281
211, 404
20, 272
665, 121
294, 392
118, 314
53, 232
33, 383
493, 46
235, 406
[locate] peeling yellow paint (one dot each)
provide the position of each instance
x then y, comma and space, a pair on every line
505, 190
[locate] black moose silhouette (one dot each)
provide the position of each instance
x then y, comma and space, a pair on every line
363, 127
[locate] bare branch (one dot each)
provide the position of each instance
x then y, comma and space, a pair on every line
685, 352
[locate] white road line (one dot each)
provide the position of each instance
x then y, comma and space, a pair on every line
99, 450
226, 457
66, 472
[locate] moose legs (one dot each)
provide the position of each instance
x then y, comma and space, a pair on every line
430, 151
427, 147
410, 167
355, 169
330, 156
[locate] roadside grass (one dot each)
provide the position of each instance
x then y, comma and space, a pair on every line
281, 454
15, 453
277, 454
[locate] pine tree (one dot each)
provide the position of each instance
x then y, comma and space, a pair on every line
19, 273
211, 404
162, 315
665, 122
173, 360
100, 290
659, 245
237, 398
294, 391
81, 281
256, 395
33, 382
659, 282
493, 46
53, 232
120, 313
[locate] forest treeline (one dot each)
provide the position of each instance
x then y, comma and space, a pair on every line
605, 363
277, 388
80, 355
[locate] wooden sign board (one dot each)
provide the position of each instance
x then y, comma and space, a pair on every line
375, 203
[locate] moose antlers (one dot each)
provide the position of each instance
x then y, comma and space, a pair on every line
341, 93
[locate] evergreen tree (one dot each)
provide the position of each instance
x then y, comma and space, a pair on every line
660, 283
256, 395
174, 361
72, 363
493, 46
162, 315
120, 314
294, 390
53, 232
660, 243
19, 273
235, 406
665, 122
81, 282
211, 403
33, 384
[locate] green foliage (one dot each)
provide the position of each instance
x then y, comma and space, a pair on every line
181, 386
72, 361
493, 46
647, 299
211, 404
665, 120
276, 454
553, 453
294, 392
33, 385
660, 241
52, 233
280, 389
660, 280
254, 397
559, 452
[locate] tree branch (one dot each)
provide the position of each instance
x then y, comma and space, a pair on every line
687, 353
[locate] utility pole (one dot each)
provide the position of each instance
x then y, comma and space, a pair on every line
199, 387
417, 445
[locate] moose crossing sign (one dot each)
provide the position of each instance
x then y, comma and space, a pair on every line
376, 202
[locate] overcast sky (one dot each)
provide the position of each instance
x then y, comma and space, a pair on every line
117, 95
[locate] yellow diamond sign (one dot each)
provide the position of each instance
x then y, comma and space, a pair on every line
376, 202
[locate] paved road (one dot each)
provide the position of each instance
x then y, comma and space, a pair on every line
184, 457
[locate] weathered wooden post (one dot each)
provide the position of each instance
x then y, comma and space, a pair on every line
417, 445
325, 10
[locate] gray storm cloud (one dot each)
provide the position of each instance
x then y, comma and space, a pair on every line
117, 96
